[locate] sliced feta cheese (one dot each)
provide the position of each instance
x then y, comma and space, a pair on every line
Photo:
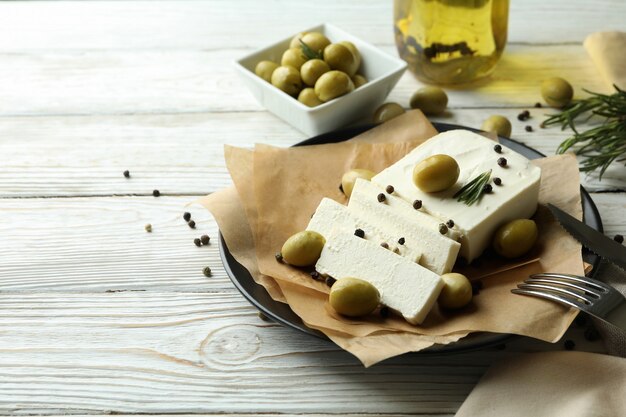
404, 286
515, 198
420, 230
331, 215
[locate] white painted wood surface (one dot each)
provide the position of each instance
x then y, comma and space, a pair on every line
96, 315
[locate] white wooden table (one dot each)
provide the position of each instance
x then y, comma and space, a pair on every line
98, 316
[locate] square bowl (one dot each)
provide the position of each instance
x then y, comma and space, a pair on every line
381, 70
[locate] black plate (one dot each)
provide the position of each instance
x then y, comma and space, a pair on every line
281, 312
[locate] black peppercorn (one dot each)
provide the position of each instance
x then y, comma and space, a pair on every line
384, 312
197, 242
497, 148
381, 197
156, 193
389, 189
538, 105
525, 115
279, 257
205, 239
315, 275
443, 229
618, 238
187, 216
450, 223
192, 224
360, 233
417, 204
401, 241
569, 344
487, 188
207, 271
330, 281
497, 181
528, 128
127, 174
385, 245
502, 162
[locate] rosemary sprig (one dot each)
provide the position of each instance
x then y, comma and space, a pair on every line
308, 52
600, 146
473, 190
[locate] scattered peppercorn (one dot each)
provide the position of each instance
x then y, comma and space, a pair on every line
497, 181
385, 245
417, 204
401, 241
207, 272
619, 238
497, 148
205, 239
389, 189
569, 344
262, 316
192, 224
127, 174
381, 197
279, 256
443, 229
487, 188
396, 251
330, 281
502, 162
384, 312
187, 216
525, 115
450, 223
156, 193
197, 242
315, 275
341, 187
360, 233
591, 334
148, 228
537, 105
528, 128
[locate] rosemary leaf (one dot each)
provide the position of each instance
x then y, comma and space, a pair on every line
473, 190
308, 52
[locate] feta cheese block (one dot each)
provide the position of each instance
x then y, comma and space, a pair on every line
420, 230
331, 215
515, 198
404, 286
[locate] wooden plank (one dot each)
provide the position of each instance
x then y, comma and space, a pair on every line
175, 81
195, 353
210, 24
99, 244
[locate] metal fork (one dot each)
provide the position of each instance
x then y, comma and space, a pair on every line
586, 294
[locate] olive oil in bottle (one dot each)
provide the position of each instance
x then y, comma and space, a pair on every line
450, 41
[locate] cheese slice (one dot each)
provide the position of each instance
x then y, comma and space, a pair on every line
331, 215
516, 198
420, 230
404, 286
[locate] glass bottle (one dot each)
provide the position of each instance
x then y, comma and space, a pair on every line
450, 41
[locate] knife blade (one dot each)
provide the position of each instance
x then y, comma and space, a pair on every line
593, 240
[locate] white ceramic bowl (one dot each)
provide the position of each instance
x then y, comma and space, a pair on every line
381, 70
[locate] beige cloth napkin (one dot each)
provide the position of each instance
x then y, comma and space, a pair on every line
551, 384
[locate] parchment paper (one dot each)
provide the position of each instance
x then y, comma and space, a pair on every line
280, 190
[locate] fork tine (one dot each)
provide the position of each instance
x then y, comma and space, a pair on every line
552, 297
594, 283
563, 283
555, 289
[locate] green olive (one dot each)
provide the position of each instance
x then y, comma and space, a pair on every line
339, 57
557, 92
287, 79
359, 80
293, 57
316, 41
498, 124
295, 41
354, 50
312, 70
264, 69
430, 100
353, 297
456, 292
303, 248
307, 96
333, 84
436, 173
350, 177
515, 238
387, 112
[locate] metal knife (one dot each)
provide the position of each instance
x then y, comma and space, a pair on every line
593, 240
